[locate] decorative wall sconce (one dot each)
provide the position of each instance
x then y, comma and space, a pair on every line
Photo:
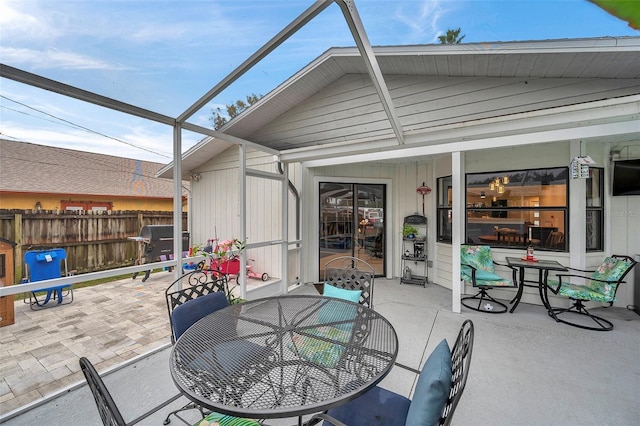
196, 177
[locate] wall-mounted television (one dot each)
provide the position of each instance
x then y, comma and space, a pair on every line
626, 177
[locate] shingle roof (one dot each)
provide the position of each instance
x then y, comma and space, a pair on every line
28, 167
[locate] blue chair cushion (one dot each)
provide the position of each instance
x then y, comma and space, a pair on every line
378, 406
187, 314
432, 390
341, 293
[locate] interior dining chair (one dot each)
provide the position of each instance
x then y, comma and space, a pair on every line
600, 285
555, 240
435, 398
476, 268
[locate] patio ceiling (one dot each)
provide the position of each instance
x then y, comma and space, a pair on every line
602, 58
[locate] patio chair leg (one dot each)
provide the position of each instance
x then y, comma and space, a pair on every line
483, 296
578, 308
189, 406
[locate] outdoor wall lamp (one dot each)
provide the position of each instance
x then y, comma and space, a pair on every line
196, 177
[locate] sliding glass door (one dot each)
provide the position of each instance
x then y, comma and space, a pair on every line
352, 223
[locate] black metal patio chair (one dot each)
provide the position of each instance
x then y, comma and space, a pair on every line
190, 286
351, 273
437, 394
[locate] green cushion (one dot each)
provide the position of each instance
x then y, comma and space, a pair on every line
225, 420
481, 274
326, 351
432, 390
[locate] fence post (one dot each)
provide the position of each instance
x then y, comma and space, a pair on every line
17, 257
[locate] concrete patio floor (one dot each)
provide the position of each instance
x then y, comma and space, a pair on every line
526, 368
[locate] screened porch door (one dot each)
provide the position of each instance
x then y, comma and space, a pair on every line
352, 223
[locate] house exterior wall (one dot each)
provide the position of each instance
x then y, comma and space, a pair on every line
216, 206
622, 228
349, 109
49, 201
219, 215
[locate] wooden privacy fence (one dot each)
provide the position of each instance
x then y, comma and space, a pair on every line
94, 241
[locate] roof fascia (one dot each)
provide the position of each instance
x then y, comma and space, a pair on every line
271, 45
366, 52
35, 80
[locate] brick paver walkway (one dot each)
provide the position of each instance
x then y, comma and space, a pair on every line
109, 323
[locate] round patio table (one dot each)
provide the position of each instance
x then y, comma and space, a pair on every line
283, 356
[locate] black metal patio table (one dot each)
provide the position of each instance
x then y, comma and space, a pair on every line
283, 356
543, 266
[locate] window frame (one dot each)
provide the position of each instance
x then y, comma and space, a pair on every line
443, 210
595, 209
472, 209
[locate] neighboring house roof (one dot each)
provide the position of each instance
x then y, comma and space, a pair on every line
569, 60
26, 167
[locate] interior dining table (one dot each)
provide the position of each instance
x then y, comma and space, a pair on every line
284, 356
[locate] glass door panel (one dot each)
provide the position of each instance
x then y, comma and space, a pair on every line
352, 223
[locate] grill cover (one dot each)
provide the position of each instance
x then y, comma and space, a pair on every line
158, 241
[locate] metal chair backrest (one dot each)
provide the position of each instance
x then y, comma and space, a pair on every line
107, 408
608, 277
190, 286
460, 360
352, 273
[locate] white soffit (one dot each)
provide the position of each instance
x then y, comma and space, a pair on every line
609, 119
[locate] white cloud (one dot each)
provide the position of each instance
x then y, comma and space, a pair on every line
52, 58
422, 22
20, 25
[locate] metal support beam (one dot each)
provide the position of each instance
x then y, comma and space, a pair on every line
269, 47
352, 17
40, 82
177, 200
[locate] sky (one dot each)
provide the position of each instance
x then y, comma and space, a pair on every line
164, 55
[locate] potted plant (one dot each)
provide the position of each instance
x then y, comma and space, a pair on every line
409, 231
224, 259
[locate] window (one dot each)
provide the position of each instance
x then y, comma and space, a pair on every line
594, 231
86, 205
509, 209
444, 208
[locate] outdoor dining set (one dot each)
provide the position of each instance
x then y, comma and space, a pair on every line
578, 285
318, 356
